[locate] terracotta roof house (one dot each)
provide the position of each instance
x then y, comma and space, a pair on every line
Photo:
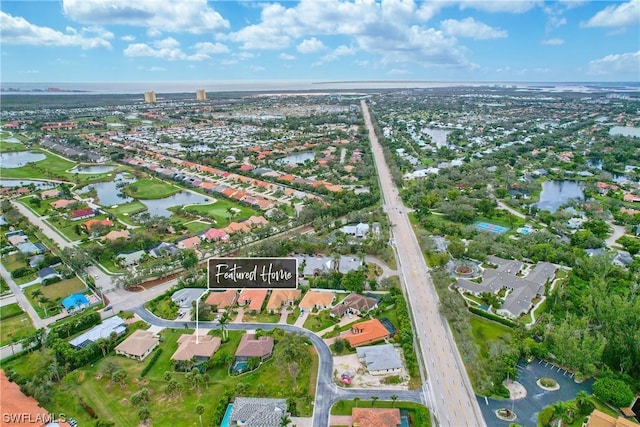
88, 225
189, 243
115, 235
282, 297
222, 299
252, 346
263, 203
215, 234
600, 419
79, 214
237, 227
49, 194
17, 239
26, 409
138, 345
366, 332
63, 203
317, 299
229, 192
252, 298
375, 417
257, 412
202, 350
356, 304
631, 198
256, 221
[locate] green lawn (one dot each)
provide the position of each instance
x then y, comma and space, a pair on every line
36, 205
418, 414
15, 324
150, 188
53, 292
485, 330
261, 318
12, 262
51, 167
26, 279
128, 208
196, 227
219, 211
66, 227
6, 147
318, 322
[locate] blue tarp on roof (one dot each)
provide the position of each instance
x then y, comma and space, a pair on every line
75, 301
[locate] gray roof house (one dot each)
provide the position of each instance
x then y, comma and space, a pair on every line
380, 359
47, 273
357, 230
622, 259
104, 330
315, 265
163, 249
257, 412
127, 260
349, 263
184, 297
522, 290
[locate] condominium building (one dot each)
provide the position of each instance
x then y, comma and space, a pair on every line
201, 95
150, 97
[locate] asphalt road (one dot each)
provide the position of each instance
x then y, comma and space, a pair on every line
327, 392
448, 389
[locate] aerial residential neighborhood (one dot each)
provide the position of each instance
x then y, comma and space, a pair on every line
423, 231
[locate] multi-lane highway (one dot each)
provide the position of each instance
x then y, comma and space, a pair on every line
448, 389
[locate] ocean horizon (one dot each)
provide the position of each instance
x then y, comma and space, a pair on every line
300, 85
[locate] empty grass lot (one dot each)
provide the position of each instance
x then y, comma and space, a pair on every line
148, 188
15, 324
485, 330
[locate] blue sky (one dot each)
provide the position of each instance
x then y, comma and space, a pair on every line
319, 40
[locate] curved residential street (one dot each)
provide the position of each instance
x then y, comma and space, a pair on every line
449, 392
327, 392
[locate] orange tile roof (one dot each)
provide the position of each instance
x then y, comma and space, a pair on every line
375, 417
222, 299
316, 298
255, 296
366, 332
14, 402
279, 296
90, 223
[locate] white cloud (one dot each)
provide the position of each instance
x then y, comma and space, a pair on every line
208, 48
286, 57
229, 62
311, 45
471, 28
341, 50
256, 68
152, 69
17, 30
128, 38
398, 72
168, 43
362, 62
552, 42
192, 16
32, 71
499, 6
391, 29
154, 32
617, 64
616, 15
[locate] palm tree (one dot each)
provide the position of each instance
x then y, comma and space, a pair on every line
143, 413
373, 400
167, 376
394, 397
355, 401
200, 411
582, 399
223, 321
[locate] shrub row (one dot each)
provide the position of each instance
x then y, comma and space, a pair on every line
405, 335
491, 316
152, 362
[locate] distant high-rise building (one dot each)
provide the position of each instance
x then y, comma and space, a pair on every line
201, 95
150, 97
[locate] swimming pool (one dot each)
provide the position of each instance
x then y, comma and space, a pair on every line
227, 415
239, 367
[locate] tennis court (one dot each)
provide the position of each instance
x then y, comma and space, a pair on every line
490, 228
